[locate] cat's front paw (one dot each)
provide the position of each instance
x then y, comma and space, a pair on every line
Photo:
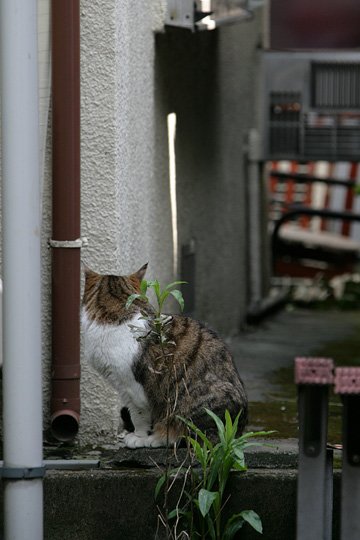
121, 436
132, 440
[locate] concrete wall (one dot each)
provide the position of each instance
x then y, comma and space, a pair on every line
125, 187
209, 80
118, 504
132, 78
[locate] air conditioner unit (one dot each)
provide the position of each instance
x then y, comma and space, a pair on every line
311, 105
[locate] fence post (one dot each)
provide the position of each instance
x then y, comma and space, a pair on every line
347, 385
314, 491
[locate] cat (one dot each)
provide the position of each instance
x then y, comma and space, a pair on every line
199, 372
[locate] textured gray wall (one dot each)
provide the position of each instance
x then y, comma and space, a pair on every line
125, 187
209, 80
131, 78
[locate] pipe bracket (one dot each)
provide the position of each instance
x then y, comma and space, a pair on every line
22, 473
68, 244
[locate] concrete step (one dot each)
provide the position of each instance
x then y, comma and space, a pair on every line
116, 500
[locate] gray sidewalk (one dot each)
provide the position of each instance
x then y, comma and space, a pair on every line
264, 356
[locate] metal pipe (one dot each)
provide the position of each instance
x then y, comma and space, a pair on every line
253, 164
65, 400
22, 394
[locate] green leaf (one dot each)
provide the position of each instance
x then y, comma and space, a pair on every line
143, 286
156, 288
211, 527
253, 519
206, 499
159, 485
227, 465
238, 466
232, 526
200, 453
132, 299
229, 430
236, 422
250, 434
219, 425
179, 298
255, 443
163, 297
175, 513
155, 285
173, 284
217, 457
240, 458
208, 444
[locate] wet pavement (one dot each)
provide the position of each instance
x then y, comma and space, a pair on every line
265, 354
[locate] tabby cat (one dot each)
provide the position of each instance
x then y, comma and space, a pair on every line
197, 372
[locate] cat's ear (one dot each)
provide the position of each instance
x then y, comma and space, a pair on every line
141, 273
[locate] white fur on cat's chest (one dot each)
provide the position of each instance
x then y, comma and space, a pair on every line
112, 350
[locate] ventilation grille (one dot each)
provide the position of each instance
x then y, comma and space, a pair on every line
285, 110
335, 136
335, 85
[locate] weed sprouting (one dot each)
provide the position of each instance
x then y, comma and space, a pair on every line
199, 511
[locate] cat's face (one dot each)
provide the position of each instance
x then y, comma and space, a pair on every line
105, 296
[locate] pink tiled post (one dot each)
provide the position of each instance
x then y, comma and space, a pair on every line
315, 489
347, 385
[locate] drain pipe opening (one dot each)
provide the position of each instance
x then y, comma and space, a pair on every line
65, 425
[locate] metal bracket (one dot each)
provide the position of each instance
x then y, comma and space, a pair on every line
69, 244
22, 473
31, 473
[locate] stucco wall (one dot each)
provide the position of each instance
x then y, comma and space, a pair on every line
125, 194
209, 80
132, 78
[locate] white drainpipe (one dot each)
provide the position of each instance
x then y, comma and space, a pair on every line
22, 395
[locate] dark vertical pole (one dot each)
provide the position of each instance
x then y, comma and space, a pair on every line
65, 402
347, 385
314, 493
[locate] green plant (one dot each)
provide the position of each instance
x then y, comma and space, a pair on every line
158, 322
200, 512
158, 332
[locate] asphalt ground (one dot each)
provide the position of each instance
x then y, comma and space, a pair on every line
264, 356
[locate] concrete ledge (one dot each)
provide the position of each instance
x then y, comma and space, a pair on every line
272, 454
109, 505
117, 500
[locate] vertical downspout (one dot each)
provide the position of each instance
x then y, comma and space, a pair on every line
22, 394
65, 243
